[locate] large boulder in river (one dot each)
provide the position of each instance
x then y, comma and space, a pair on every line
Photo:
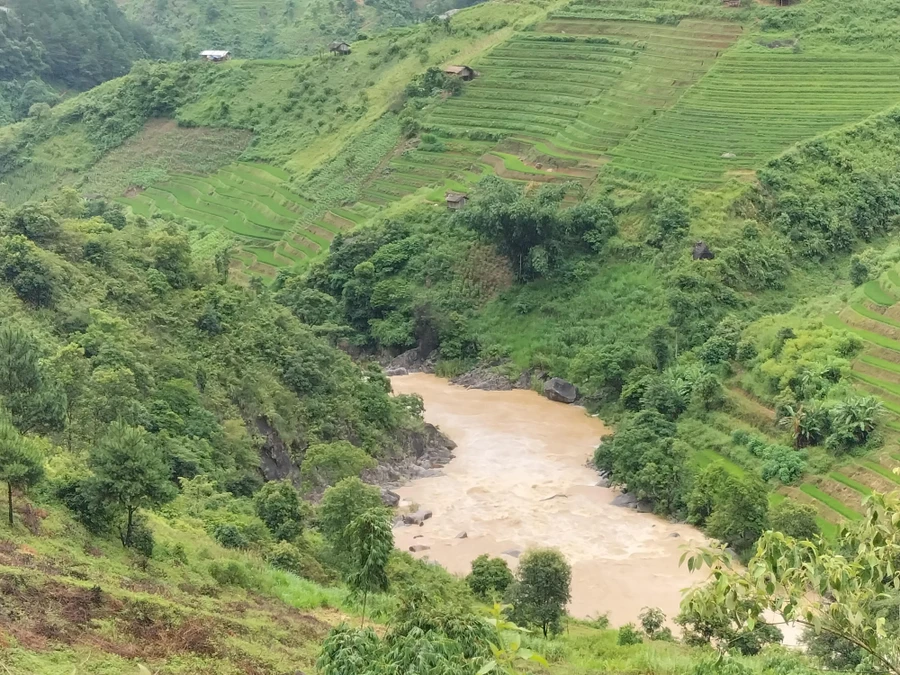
417, 518
557, 389
625, 500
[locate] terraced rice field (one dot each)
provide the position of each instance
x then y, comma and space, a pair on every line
754, 103
875, 318
638, 10
251, 201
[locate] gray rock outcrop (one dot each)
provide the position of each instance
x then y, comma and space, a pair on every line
557, 389
389, 498
625, 500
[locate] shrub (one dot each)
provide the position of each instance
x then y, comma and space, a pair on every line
141, 538
783, 463
489, 577
629, 635
229, 536
794, 519
653, 622
295, 559
231, 573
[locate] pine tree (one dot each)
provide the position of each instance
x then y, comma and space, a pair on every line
131, 473
21, 465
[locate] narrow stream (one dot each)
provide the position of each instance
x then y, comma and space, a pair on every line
520, 479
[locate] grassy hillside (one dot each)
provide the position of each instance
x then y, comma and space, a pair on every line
264, 29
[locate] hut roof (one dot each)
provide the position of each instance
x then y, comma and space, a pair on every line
456, 70
455, 197
214, 53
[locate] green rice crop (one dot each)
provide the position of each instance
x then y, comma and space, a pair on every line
877, 294
862, 310
880, 470
830, 502
849, 482
834, 321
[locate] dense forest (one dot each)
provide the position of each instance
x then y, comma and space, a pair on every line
48, 47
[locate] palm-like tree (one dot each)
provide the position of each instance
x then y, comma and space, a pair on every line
805, 423
857, 417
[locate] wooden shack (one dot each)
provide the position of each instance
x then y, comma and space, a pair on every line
456, 200
462, 72
341, 48
215, 55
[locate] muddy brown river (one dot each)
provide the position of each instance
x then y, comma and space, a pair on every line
519, 479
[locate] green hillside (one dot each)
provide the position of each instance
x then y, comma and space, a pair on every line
51, 47
687, 208
273, 28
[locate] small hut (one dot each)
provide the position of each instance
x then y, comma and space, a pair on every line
340, 48
701, 251
456, 200
462, 72
215, 55
731, 3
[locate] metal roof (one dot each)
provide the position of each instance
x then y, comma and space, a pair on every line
215, 53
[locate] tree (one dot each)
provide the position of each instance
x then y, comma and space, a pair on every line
72, 371
739, 516
341, 504
658, 340
21, 464
848, 590
542, 589
795, 520
130, 472
489, 577
670, 219
33, 401
279, 506
371, 542
329, 463
644, 457
36, 222
23, 266
653, 621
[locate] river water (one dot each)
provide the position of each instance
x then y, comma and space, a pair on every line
520, 479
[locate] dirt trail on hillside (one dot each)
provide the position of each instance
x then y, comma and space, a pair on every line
520, 479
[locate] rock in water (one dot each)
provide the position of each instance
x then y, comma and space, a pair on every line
512, 553
417, 518
625, 500
389, 498
557, 389
396, 372
462, 535
418, 547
